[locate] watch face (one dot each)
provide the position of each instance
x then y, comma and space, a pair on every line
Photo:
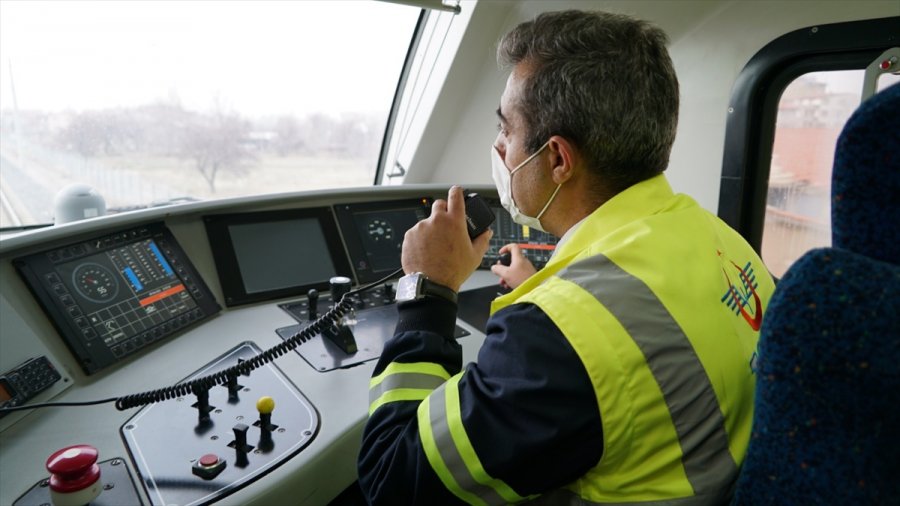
407, 287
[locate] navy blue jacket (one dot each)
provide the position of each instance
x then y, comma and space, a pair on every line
527, 405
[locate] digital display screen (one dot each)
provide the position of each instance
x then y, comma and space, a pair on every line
125, 291
281, 254
382, 235
374, 233
268, 255
537, 246
5, 391
113, 295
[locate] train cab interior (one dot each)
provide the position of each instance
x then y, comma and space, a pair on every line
190, 189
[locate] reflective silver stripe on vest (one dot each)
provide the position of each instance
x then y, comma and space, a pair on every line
450, 454
404, 380
685, 386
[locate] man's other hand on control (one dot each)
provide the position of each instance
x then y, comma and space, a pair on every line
519, 269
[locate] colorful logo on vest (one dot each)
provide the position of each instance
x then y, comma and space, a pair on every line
738, 297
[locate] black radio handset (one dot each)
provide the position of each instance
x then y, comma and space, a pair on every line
479, 215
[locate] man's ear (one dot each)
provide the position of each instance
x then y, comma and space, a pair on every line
564, 157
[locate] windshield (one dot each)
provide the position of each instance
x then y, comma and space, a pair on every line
153, 103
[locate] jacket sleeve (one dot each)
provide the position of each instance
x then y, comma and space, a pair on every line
522, 421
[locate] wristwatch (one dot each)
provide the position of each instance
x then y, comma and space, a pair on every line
417, 286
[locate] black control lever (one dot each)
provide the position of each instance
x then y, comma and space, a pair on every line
313, 299
202, 404
338, 333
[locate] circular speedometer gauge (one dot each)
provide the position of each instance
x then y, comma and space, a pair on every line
95, 282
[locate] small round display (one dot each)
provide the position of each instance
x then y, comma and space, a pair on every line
95, 282
380, 230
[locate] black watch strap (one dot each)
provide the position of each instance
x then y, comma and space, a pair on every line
437, 290
416, 286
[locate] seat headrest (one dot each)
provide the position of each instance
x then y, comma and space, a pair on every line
865, 186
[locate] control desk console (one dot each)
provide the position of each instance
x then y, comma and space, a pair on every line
189, 451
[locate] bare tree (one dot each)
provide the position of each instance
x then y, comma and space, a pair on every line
288, 140
217, 142
101, 132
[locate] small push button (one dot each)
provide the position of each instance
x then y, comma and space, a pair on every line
208, 466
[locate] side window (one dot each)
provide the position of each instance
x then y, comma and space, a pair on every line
811, 113
787, 109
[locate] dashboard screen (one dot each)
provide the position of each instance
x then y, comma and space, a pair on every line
536, 245
113, 295
374, 233
273, 254
5, 394
298, 247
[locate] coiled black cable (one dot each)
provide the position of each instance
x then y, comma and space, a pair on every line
329, 318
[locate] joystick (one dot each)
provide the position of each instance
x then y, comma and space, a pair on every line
505, 258
313, 297
265, 405
74, 475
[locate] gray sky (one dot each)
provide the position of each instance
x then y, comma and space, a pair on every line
258, 58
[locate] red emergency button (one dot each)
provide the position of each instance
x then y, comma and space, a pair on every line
74, 475
73, 468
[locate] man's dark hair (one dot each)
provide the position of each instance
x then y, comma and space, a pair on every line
603, 81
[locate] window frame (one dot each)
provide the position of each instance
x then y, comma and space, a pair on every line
753, 107
398, 95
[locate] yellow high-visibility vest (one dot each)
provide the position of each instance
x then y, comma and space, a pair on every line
662, 301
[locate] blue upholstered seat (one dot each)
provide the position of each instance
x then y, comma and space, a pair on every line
826, 427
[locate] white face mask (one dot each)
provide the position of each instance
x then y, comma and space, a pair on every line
503, 180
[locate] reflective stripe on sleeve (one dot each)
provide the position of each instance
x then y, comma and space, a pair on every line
450, 452
405, 382
685, 385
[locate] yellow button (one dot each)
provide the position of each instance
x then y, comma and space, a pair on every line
265, 404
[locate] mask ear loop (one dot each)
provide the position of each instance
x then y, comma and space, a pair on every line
538, 217
525, 162
530, 158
